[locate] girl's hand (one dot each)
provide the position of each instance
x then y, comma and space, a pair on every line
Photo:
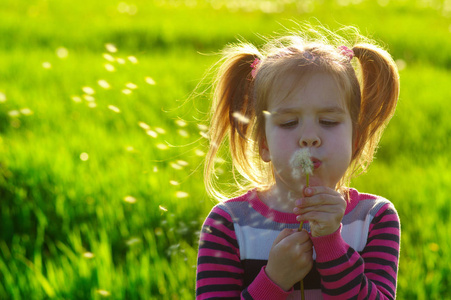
323, 207
290, 258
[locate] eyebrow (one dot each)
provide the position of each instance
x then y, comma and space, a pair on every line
328, 109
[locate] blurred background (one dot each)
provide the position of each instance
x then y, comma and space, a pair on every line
102, 138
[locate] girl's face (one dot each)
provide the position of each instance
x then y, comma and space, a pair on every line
313, 115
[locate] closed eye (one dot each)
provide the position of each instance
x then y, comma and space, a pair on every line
289, 124
328, 123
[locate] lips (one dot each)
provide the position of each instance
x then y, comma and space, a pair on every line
316, 162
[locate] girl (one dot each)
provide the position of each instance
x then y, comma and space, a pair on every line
300, 93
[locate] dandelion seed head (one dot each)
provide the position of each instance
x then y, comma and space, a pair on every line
114, 108
132, 59
111, 48
46, 65
84, 156
62, 52
181, 194
150, 80
88, 255
103, 83
131, 85
240, 117
88, 90
301, 158
130, 199
110, 68
108, 57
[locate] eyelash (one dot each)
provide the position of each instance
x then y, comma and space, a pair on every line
293, 123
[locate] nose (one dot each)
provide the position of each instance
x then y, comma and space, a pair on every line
309, 138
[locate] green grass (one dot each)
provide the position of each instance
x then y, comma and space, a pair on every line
66, 230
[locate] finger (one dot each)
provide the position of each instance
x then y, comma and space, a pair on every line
282, 235
315, 190
299, 237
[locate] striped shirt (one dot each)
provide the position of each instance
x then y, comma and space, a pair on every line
358, 261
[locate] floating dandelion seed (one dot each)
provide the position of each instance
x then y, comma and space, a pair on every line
103, 293
84, 156
133, 241
88, 90
88, 255
2, 97
92, 104
181, 123
26, 111
240, 117
76, 99
131, 85
266, 113
62, 52
89, 98
13, 113
183, 133
204, 134
111, 48
182, 163
114, 108
162, 146
46, 65
126, 91
155, 169
176, 166
150, 80
181, 194
173, 182
152, 133
120, 61
162, 208
199, 152
108, 57
132, 59
130, 148
103, 83
110, 68
202, 127
160, 130
143, 125
130, 199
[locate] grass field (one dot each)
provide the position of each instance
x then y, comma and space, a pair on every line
101, 145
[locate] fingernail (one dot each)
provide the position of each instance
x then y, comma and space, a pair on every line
298, 218
308, 191
295, 210
298, 202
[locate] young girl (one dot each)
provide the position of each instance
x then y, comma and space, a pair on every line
300, 92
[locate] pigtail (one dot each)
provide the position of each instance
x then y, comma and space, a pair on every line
379, 94
232, 113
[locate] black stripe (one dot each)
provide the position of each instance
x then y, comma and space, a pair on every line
387, 287
336, 262
387, 212
246, 295
388, 224
381, 261
383, 249
223, 298
217, 288
384, 236
218, 261
216, 232
218, 274
217, 217
382, 273
336, 277
215, 246
345, 288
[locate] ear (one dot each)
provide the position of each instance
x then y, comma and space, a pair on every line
264, 150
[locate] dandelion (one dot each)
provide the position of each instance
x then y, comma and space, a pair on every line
62, 52
114, 108
130, 199
84, 156
111, 48
150, 80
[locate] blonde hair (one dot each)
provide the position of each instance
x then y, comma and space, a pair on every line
371, 91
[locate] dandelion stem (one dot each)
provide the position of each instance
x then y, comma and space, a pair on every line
300, 229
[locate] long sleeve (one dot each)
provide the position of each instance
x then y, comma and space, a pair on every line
346, 274
220, 273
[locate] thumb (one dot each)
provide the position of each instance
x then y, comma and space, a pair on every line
283, 234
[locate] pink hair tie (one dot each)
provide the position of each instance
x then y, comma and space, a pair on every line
254, 67
346, 52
